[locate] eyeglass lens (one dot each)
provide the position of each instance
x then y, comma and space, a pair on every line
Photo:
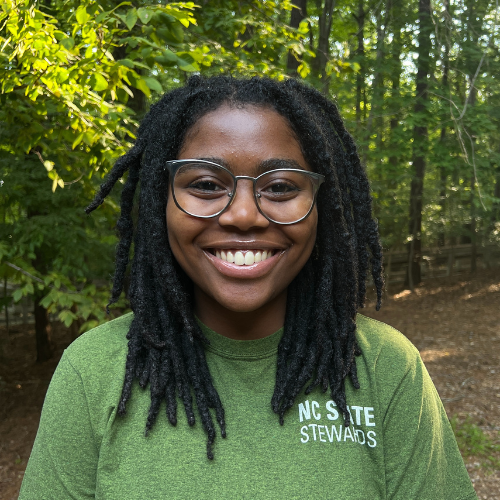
205, 190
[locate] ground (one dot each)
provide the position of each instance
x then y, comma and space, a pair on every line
455, 324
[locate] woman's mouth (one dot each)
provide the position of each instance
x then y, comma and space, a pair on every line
241, 263
243, 257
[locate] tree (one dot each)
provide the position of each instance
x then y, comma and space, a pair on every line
64, 102
298, 14
419, 143
75, 77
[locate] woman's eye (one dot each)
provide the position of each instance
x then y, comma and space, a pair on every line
205, 186
281, 188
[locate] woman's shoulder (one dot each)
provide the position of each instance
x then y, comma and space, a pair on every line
100, 346
382, 344
390, 364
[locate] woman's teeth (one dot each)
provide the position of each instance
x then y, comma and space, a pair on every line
244, 258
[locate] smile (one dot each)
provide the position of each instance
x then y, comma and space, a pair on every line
243, 257
246, 263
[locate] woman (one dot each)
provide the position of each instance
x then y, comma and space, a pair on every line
250, 262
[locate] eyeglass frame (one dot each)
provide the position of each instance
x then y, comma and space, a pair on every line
174, 165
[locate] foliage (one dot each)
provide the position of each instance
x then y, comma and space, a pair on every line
377, 96
472, 441
72, 75
250, 38
51, 244
64, 93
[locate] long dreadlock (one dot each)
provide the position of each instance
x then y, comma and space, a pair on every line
166, 345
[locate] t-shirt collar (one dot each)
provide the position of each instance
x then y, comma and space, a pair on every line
249, 349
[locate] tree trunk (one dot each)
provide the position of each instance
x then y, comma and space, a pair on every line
495, 209
378, 76
473, 32
6, 305
360, 55
323, 51
441, 239
42, 331
394, 105
419, 144
442, 169
473, 227
299, 12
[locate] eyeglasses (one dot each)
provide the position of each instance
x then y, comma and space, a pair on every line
205, 189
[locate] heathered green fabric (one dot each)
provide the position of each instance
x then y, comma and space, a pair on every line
401, 445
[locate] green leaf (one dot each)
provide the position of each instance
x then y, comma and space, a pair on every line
17, 295
68, 43
59, 35
303, 70
131, 19
189, 68
77, 141
46, 301
142, 85
127, 62
100, 18
145, 15
98, 82
62, 75
167, 58
164, 18
173, 33
49, 165
186, 63
154, 84
88, 137
81, 15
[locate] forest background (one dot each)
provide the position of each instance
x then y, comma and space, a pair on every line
417, 83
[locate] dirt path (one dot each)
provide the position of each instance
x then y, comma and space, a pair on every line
455, 325
456, 328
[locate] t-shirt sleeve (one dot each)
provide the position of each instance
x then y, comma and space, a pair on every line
63, 461
421, 454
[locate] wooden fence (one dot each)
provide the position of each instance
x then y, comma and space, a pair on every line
440, 262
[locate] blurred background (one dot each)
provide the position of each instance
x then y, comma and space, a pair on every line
418, 86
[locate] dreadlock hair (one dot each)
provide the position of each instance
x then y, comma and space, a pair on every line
318, 347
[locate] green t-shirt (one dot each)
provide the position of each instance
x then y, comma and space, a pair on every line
401, 445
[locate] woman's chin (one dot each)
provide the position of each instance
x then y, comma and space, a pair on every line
237, 304
238, 299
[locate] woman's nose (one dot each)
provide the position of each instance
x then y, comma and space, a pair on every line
243, 212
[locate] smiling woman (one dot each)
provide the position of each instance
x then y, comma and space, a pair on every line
247, 140
251, 254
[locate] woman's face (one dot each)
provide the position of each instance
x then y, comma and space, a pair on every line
241, 139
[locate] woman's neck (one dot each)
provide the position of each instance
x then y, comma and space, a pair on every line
240, 325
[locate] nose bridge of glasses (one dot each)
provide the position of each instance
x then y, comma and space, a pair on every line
247, 193
243, 210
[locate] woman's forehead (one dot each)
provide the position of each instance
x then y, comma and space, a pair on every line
255, 136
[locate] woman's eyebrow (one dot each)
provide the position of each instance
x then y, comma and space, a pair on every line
275, 163
214, 159
262, 167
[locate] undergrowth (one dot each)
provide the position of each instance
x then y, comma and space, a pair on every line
473, 441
